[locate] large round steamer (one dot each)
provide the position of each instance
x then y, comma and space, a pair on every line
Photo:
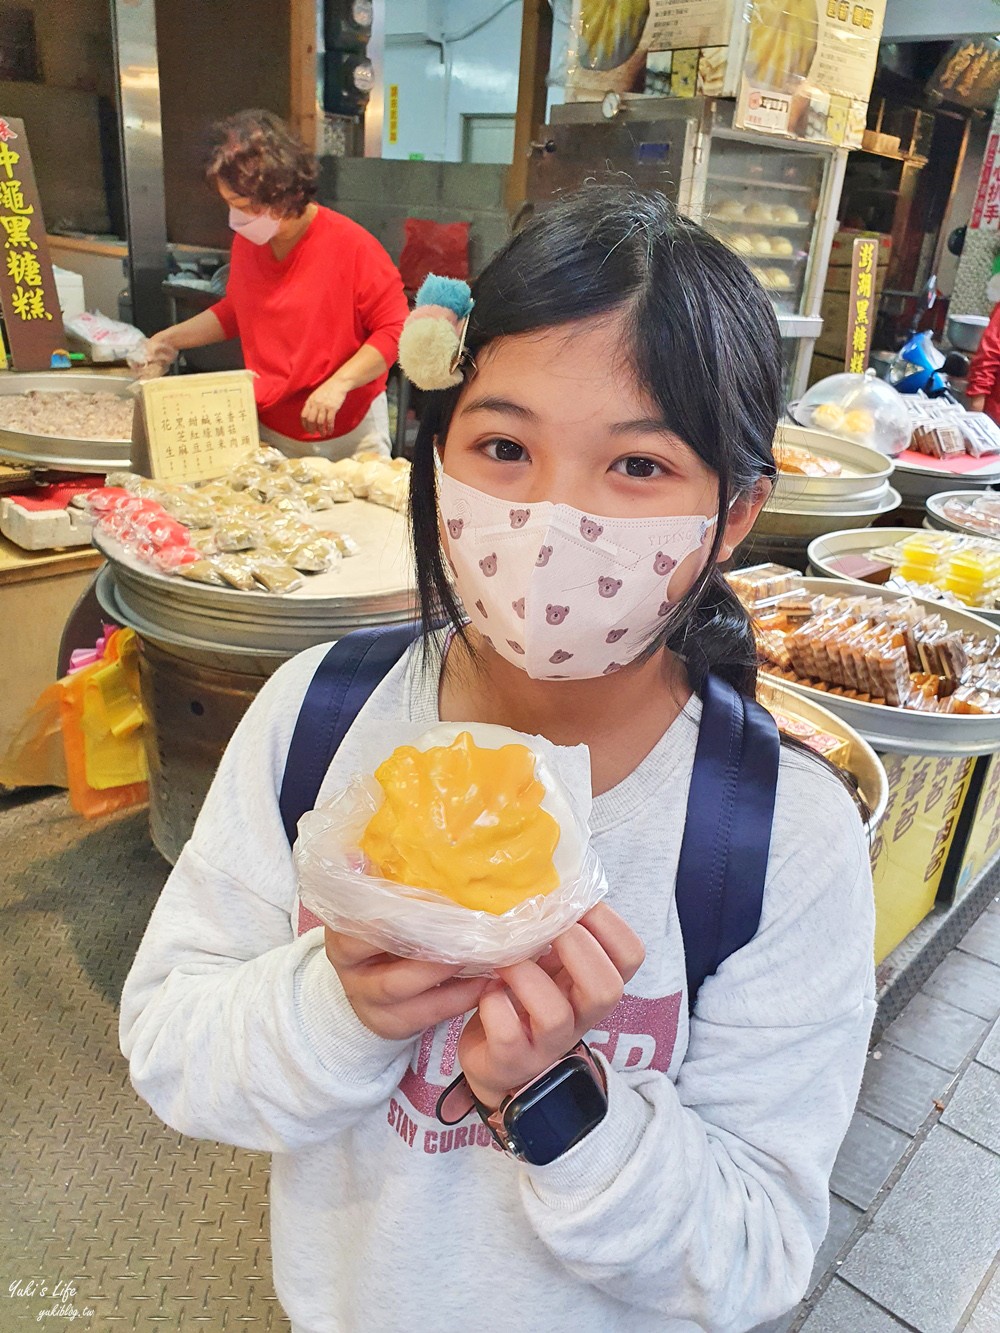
206, 651
834, 544
63, 453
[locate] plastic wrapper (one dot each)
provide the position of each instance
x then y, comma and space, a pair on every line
236, 570
276, 576
314, 556
201, 571
414, 922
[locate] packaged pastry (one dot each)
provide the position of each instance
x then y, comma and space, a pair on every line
315, 556
201, 571
468, 845
276, 576
236, 570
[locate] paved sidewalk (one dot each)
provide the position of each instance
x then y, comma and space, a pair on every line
914, 1239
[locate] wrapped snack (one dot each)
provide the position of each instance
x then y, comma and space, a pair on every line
338, 490
236, 570
981, 434
276, 575
391, 490
232, 536
247, 476
201, 571
344, 543
316, 498
268, 457
469, 847
314, 556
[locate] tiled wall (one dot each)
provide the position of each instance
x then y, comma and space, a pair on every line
379, 193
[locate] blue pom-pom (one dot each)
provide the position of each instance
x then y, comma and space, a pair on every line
452, 293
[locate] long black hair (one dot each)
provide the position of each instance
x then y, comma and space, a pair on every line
702, 340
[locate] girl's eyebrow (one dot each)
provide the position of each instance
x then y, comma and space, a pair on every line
643, 426
493, 404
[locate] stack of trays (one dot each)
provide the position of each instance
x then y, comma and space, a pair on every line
853, 496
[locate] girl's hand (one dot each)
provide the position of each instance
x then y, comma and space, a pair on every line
398, 998
321, 407
536, 1012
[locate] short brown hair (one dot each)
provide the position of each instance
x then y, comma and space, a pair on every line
258, 157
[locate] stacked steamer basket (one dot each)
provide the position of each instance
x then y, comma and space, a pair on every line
824, 483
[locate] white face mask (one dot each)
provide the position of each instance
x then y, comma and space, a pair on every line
258, 228
559, 593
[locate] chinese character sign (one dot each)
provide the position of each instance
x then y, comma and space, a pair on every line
986, 208
861, 317
27, 288
194, 427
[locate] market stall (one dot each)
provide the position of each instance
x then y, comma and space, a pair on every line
919, 680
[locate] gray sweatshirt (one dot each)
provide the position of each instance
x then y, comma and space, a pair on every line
699, 1201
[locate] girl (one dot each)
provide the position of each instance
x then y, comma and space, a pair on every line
622, 365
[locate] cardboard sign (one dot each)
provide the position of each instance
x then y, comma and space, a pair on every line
194, 427
28, 294
861, 314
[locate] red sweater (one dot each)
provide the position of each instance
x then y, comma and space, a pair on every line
984, 372
299, 319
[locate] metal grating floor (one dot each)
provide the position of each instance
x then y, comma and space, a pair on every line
142, 1228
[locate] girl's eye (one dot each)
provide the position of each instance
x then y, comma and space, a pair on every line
640, 467
505, 451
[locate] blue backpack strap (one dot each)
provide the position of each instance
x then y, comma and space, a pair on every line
727, 830
344, 680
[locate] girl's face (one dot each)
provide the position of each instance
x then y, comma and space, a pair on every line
555, 416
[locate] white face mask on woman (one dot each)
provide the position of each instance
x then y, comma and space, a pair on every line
257, 228
559, 593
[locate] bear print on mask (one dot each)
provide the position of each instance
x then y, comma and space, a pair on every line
482, 610
455, 526
488, 565
558, 657
663, 609
608, 587
543, 555
516, 646
611, 668
615, 634
663, 564
518, 517
590, 530
555, 615
519, 607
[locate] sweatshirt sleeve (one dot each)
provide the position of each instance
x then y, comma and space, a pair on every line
234, 1029
381, 299
985, 367
705, 1201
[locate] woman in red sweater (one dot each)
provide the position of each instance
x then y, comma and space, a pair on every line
982, 390
317, 303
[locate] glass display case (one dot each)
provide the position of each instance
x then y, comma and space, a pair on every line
772, 200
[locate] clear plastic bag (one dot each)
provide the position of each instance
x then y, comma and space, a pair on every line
411, 922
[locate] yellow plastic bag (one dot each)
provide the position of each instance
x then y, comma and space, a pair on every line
36, 756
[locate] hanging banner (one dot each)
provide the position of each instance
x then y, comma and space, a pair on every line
861, 313
28, 294
798, 68
986, 208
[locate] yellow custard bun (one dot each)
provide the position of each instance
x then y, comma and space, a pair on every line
474, 812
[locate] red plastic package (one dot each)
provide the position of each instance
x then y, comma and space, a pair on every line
433, 247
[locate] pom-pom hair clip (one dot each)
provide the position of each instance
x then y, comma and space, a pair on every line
432, 343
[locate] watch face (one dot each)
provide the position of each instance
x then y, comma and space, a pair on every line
555, 1113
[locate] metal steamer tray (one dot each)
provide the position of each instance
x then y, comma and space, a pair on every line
804, 521
864, 471
863, 763
832, 544
372, 588
936, 517
917, 484
64, 454
897, 729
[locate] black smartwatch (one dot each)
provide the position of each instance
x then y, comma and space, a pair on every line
545, 1118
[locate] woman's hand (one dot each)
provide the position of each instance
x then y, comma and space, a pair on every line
322, 405
397, 998
536, 1012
